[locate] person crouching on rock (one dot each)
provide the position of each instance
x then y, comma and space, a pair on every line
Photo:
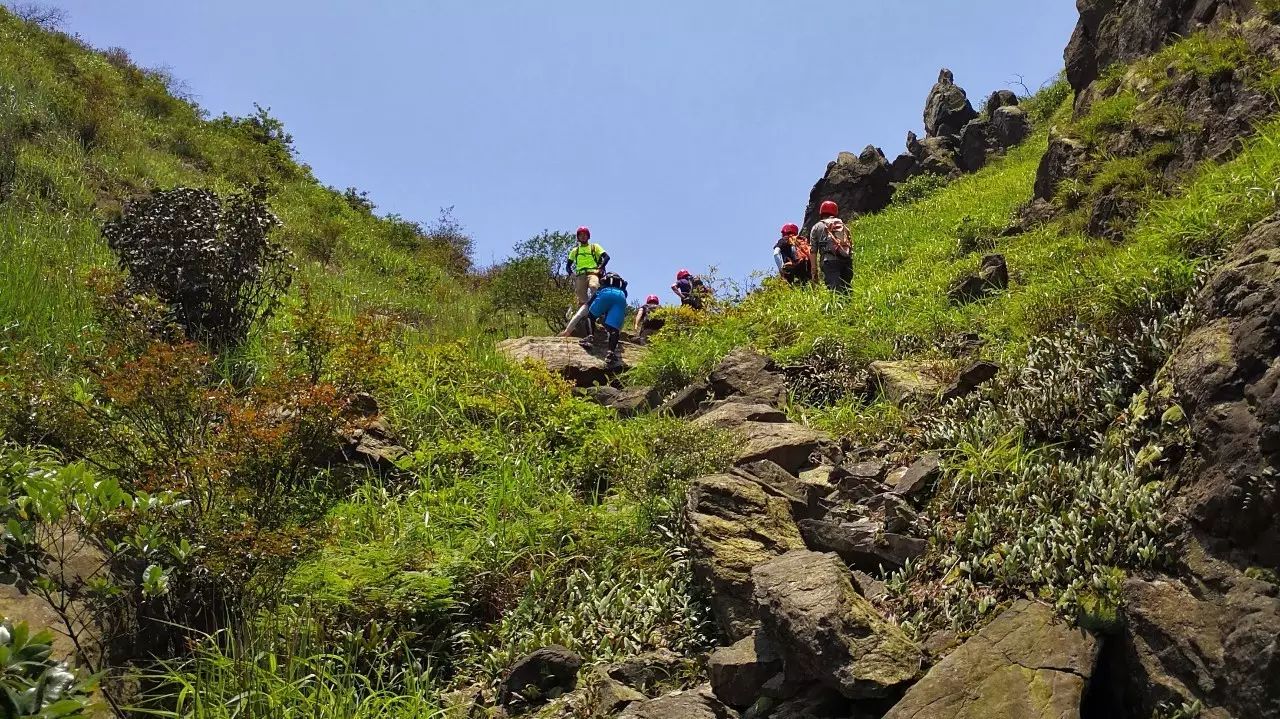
792, 255
609, 305
646, 324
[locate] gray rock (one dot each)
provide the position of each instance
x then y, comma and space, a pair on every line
1026, 664
607, 696
947, 108
826, 631
863, 545
869, 587
976, 144
992, 276
749, 374
541, 675
565, 357
735, 524
697, 703
908, 381
1064, 159
970, 379
687, 400
1009, 127
920, 476
649, 670
727, 414
738, 672
999, 99
858, 183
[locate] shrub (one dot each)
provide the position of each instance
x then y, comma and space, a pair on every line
32, 684
918, 187
210, 258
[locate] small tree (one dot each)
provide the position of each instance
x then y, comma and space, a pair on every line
210, 259
533, 284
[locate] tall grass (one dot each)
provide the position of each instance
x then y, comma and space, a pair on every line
266, 675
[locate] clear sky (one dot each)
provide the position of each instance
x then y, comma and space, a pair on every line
684, 133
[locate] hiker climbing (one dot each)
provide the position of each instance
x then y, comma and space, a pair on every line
646, 324
609, 305
585, 263
791, 254
831, 256
689, 289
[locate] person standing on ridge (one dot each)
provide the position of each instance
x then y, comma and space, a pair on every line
792, 255
646, 324
829, 239
689, 289
585, 263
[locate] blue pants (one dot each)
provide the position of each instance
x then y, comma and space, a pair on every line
610, 304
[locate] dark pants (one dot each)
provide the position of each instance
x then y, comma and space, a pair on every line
796, 274
837, 274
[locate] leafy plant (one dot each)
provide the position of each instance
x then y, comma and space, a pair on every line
35, 686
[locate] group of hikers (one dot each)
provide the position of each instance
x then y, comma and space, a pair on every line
601, 295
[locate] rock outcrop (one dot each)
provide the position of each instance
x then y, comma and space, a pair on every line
947, 109
1026, 664
1111, 31
735, 524
744, 375
1226, 376
826, 631
565, 357
544, 674
858, 183
1184, 642
738, 672
992, 277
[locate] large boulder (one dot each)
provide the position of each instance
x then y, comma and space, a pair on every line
858, 183
1010, 125
542, 675
1226, 378
904, 381
1111, 31
736, 524
826, 631
565, 357
947, 109
1063, 160
1185, 643
976, 143
999, 99
698, 703
1026, 664
627, 402
750, 375
764, 435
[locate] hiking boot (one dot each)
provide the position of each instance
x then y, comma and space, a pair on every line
613, 358
587, 342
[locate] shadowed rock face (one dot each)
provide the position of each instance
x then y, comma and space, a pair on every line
697, 703
947, 109
857, 183
1111, 31
826, 631
1227, 378
1027, 664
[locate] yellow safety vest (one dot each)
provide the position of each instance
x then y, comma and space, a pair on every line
586, 257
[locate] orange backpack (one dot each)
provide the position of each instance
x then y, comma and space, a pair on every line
801, 247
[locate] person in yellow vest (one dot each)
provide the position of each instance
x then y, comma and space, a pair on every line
585, 263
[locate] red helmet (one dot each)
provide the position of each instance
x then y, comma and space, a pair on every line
584, 230
683, 275
829, 209
790, 229
651, 300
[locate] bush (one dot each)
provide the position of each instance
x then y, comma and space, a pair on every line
210, 258
918, 187
34, 685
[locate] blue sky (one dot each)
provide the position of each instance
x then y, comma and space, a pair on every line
684, 133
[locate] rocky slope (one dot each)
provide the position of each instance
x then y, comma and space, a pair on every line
794, 545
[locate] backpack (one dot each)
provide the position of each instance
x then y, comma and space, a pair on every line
839, 235
802, 249
613, 279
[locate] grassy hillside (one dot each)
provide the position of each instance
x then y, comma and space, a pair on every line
522, 514
82, 132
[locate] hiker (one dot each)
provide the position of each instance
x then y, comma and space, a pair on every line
791, 254
586, 262
831, 257
646, 324
689, 289
609, 305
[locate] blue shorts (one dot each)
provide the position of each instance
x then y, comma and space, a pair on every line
611, 305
